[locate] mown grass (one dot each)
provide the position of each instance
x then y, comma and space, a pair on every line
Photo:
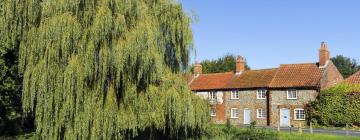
223, 132
307, 136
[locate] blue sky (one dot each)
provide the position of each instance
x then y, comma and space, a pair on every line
272, 32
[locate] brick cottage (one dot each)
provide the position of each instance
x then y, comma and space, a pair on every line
270, 97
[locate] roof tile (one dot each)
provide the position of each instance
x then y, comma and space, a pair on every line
297, 75
211, 81
354, 79
252, 79
286, 76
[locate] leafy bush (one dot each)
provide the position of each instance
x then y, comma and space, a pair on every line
337, 106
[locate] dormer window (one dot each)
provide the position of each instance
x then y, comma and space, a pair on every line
261, 94
234, 94
291, 94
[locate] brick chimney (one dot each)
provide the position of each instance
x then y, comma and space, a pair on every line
324, 54
240, 64
197, 68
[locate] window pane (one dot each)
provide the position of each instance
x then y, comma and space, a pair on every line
261, 113
292, 94
234, 94
300, 114
234, 113
212, 95
263, 94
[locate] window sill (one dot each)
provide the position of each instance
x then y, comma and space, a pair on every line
261, 98
212, 115
261, 118
234, 118
299, 119
234, 98
292, 98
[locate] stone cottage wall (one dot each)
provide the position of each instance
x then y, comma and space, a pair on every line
278, 100
247, 100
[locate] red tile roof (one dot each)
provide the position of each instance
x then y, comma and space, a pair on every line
286, 76
252, 79
211, 81
354, 79
297, 75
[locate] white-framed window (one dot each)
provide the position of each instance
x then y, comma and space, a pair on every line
213, 112
212, 95
299, 114
261, 113
261, 94
234, 113
234, 94
291, 94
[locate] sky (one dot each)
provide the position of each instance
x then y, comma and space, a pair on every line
273, 32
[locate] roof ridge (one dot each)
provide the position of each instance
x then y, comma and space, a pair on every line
300, 63
262, 69
217, 73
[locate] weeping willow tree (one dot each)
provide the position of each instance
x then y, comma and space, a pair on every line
104, 69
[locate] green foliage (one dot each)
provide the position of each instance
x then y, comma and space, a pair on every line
10, 85
337, 106
223, 64
345, 65
10, 89
104, 69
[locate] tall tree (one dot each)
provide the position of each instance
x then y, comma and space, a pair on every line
10, 92
104, 69
346, 66
223, 64
10, 85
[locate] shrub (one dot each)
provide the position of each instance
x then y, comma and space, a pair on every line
337, 106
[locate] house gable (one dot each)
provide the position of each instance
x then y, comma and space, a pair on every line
330, 76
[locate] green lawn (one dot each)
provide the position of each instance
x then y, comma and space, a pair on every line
307, 136
219, 134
